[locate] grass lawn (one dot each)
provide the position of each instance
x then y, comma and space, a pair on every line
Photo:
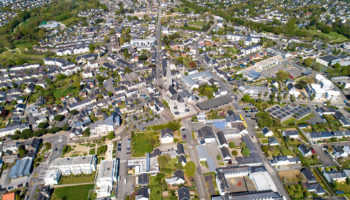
70, 20
289, 122
264, 140
182, 9
292, 121
331, 37
72, 193
306, 118
156, 188
14, 55
197, 23
78, 179
144, 142
171, 167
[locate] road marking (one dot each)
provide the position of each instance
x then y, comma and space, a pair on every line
245, 124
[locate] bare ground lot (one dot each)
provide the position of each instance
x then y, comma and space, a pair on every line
240, 184
291, 176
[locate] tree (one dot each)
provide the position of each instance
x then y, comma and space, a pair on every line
14, 137
279, 97
245, 152
73, 112
48, 145
308, 62
290, 26
91, 47
101, 149
110, 135
264, 119
164, 161
272, 98
40, 132
65, 127
190, 169
292, 98
143, 57
234, 153
21, 151
246, 98
26, 133
43, 125
301, 84
282, 75
66, 149
86, 132
312, 97
54, 130
231, 145
59, 117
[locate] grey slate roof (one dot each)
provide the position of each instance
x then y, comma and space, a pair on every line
183, 193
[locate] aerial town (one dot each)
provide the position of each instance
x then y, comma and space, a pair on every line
174, 99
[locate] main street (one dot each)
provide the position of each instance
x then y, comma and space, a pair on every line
251, 125
191, 144
58, 141
253, 137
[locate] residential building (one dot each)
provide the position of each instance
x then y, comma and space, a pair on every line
75, 165
183, 193
167, 136
304, 150
106, 177
177, 179
335, 176
108, 125
142, 194
52, 177
266, 132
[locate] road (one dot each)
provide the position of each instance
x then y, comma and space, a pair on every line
257, 149
325, 159
251, 125
123, 156
159, 80
191, 144
58, 141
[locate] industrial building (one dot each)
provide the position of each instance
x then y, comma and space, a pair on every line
286, 112
21, 168
258, 175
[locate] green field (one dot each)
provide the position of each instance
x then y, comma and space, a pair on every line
89, 178
18, 57
23, 30
331, 37
144, 143
156, 188
197, 23
72, 193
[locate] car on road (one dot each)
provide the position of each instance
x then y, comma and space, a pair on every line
119, 146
